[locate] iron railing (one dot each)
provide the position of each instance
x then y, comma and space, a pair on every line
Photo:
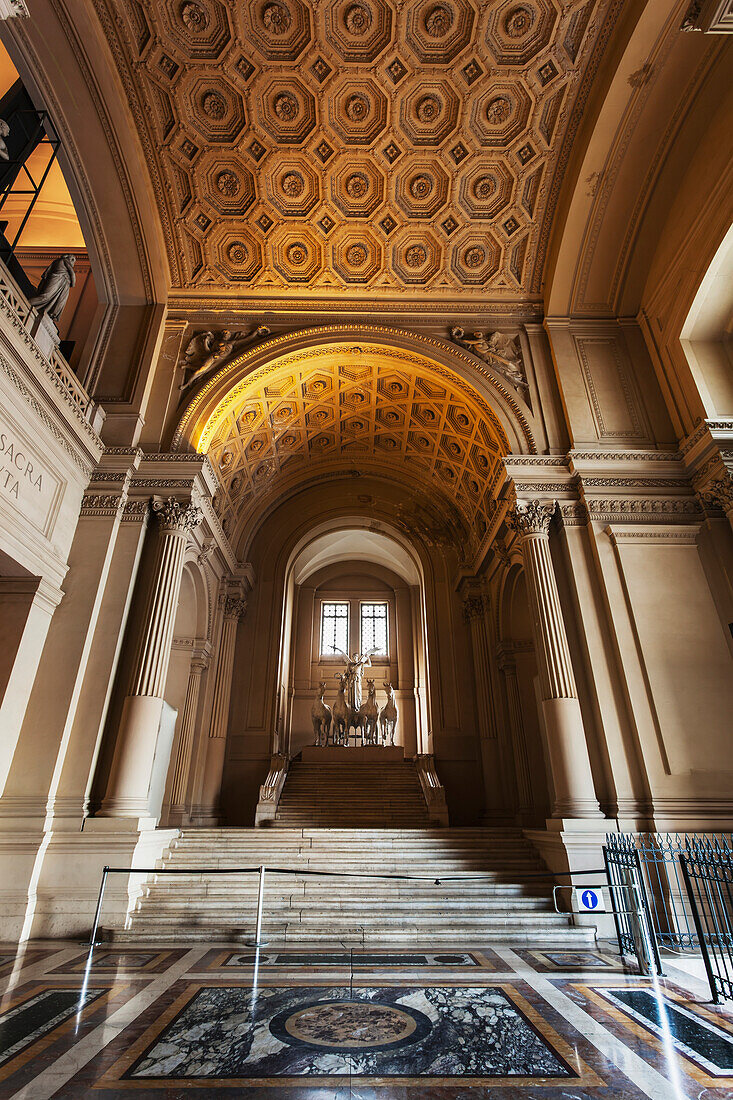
671, 911
708, 877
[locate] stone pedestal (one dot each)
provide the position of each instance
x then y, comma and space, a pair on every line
357, 754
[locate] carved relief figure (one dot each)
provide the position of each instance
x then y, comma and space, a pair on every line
207, 350
501, 352
4, 131
56, 282
321, 716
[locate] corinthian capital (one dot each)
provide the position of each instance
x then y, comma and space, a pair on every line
719, 493
531, 517
234, 607
473, 607
172, 515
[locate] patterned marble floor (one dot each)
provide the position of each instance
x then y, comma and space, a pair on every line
168, 1023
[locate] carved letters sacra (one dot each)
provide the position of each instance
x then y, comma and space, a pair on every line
16, 467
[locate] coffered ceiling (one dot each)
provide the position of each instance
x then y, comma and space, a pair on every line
340, 408
343, 146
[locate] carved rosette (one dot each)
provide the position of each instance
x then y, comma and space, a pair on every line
176, 517
531, 517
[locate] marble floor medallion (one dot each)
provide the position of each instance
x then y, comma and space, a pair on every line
351, 1025
374, 1032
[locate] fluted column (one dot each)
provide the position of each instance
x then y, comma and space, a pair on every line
234, 608
199, 664
508, 668
569, 761
129, 780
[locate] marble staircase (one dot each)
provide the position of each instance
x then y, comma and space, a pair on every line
484, 891
342, 794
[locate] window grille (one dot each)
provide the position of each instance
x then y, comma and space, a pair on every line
334, 628
374, 629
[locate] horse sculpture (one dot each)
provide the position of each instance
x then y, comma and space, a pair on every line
321, 717
388, 716
369, 716
342, 713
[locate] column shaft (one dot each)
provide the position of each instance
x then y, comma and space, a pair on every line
572, 779
214, 768
185, 742
130, 775
519, 739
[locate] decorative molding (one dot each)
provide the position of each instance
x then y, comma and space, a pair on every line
582, 341
636, 482
544, 486
624, 456
681, 535
83, 464
108, 505
136, 510
573, 515
642, 508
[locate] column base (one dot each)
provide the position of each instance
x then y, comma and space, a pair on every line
574, 845
137, 780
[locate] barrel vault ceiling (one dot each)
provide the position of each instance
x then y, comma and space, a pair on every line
341, 408
318, 150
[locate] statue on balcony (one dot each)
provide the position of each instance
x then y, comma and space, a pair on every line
56, 282
4, 132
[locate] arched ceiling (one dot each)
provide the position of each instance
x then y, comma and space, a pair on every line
354, 544
335, 410
323, 148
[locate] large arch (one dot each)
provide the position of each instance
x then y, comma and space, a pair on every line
319, 405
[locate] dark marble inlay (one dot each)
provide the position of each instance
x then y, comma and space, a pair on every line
346, 958
446, 1031
22, 1025
576, 960
701, 1039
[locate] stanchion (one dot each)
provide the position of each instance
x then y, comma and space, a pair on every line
93, 941
258, 941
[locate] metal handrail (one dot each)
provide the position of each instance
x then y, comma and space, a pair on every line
261, 869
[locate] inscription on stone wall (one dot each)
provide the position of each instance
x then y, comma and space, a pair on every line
26, 480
